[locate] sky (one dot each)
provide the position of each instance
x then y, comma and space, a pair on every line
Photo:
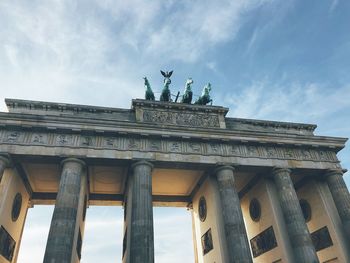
266, 59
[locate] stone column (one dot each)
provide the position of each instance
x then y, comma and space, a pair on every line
341, 197
236, 235
64, 229
141, 225
4, 163
300, 239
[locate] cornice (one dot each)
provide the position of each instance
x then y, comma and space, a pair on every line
29, 105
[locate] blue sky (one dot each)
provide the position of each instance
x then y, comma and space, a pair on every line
266, 59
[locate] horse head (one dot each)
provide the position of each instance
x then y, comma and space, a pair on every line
189, 82
207, 89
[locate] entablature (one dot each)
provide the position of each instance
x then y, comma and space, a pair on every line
163, 148
18, 122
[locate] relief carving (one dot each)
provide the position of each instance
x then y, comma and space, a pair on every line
194, 147
175, 147
288, 153
214, 148
12, 137
306, 154
200, 148
39, 138
109, 142
181, 118
154, 145
271, 152
323, 155
133, 144
63, 139
252, 151
86, 141
234, 150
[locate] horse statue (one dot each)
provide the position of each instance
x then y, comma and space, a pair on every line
204, 99
149, 95
187, 97
166, 96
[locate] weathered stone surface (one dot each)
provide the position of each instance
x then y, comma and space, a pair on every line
300, 239
141, 228
4, 163
341, 197
63, 230
179, 114
53, 143
236, 236
152, 130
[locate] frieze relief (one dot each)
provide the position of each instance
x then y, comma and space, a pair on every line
175, 146
39, 138
64, 140
184, 146
181, 118
154, 145
13, 136
133, 144
86, 141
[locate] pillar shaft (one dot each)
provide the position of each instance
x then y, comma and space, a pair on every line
300, 239
64, 227
341, 197
236, 236
141, 230
4, 163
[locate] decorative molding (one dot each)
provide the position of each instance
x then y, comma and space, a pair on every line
169, 145
272, 126
179, 114
204, 120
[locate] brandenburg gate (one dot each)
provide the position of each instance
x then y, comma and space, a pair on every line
259, 191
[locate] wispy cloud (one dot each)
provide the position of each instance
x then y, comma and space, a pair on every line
95, 52
69, 50
288, 102
334, 5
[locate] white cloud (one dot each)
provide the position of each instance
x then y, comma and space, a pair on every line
84, 52
288, 102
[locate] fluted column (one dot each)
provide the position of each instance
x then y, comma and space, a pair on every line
4, 163
64, 229
341, 197
300, 239
141, 230
236, 235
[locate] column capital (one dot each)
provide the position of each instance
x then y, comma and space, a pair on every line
5, 158
75, 160
330, 172
223, 166
277, 170
142, 162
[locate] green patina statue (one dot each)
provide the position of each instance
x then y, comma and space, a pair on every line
204, 99
187, 97
149, 95
166, 95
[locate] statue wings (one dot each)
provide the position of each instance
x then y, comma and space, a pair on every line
166, 74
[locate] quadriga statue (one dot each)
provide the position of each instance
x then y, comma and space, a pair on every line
204, 99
